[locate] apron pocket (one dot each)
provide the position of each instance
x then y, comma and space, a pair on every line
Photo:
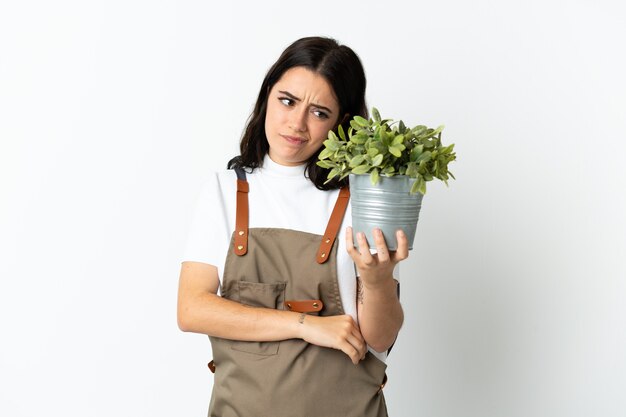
256, 294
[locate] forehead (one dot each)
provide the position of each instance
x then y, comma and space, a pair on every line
307, 85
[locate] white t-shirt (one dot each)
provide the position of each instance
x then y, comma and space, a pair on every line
279, 197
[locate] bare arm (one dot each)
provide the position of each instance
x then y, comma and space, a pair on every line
379, 310
201, 310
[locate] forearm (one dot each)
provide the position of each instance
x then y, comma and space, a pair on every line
213, 315
200, 310
216, 316
380, 313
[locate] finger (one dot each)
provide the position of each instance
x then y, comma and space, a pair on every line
362, 345
351, 351
350, 243
363, 351
357, 344
357, 340
403, 246
381, 245
364, 249
357, 334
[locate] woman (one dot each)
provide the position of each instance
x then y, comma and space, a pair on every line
294, 332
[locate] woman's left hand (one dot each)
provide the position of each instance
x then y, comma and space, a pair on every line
376, 269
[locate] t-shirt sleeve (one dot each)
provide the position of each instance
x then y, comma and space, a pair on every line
208, 236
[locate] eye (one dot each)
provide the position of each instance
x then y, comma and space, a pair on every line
320, 114
286, 101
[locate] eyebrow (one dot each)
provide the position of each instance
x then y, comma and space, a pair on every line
291, 96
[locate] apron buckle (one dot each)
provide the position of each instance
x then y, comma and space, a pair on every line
383, 384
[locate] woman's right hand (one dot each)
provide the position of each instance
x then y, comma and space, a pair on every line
337, 332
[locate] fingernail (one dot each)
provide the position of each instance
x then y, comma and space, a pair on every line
360, 235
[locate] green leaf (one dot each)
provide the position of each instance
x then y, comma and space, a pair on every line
377, 134
398, 140
419, 185
361, 121
374, 176
359, 138
325, 164
372, 152
333, 173
354, 125
382, 149
424, 157
361, 169
325, 153
331, 144
411, 169
416, 152
396, 150
447, 149
418, 130
424, 142
342, 134
389, 171
375, 114
356, 161
377, 160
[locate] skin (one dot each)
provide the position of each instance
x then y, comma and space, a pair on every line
378, 308
302, 108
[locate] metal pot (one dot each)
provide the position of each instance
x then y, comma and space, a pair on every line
387, 205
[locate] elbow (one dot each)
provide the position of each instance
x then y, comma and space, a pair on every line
384, 341
383, 344
381, 347
183, 320
378, 349
182, 323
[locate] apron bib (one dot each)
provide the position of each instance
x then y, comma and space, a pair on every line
274, 268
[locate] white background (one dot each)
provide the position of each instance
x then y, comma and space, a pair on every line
112, 112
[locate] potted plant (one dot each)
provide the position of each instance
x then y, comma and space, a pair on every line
389, 165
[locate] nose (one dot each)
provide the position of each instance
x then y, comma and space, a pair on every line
297, 121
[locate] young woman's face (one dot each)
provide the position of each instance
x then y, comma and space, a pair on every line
301, 109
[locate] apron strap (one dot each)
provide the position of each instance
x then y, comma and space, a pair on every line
334, 223
241, 220
242, 216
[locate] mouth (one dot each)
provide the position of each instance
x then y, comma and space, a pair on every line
296, 140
